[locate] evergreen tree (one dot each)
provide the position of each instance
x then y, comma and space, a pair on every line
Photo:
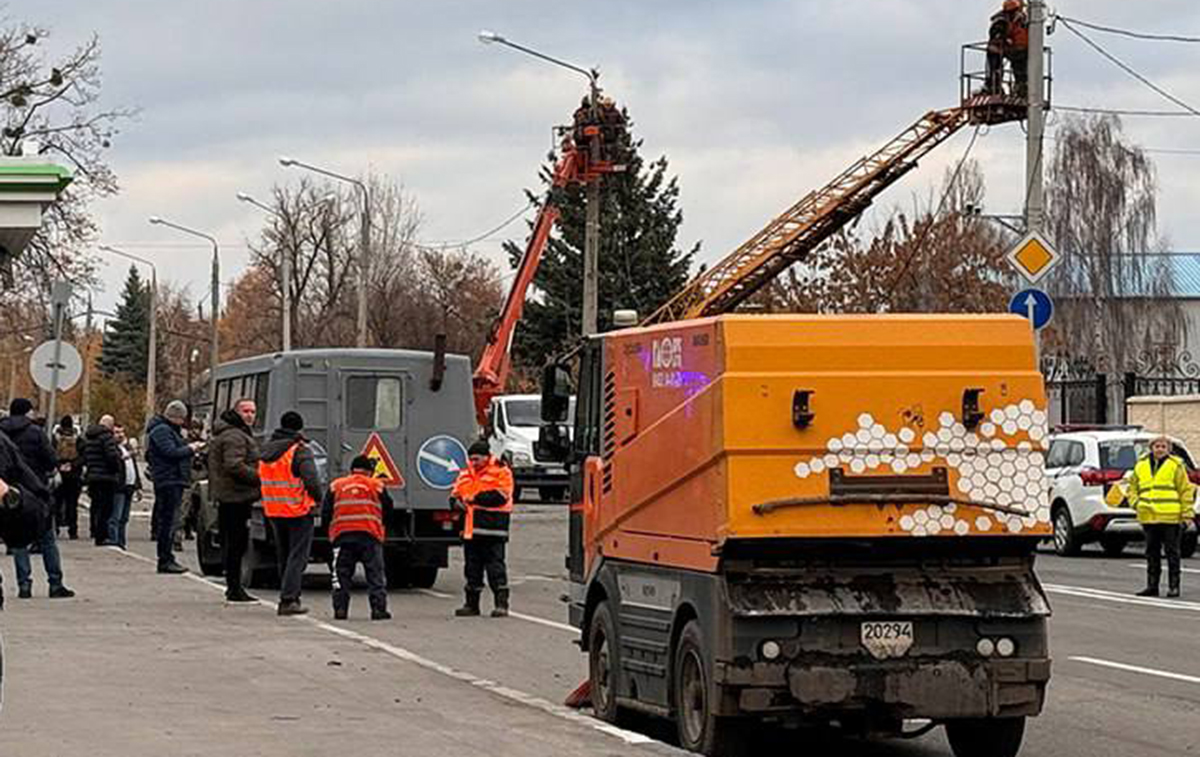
640, 265
125, 351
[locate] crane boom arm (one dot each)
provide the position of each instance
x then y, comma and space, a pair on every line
802, 228
492, 372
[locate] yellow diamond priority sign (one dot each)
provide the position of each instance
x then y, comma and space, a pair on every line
1033, 257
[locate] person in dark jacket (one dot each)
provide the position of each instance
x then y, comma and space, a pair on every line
289, 507
30, 439
233, 482
170, 461
25, 519
130, 484
70, 471
102, 460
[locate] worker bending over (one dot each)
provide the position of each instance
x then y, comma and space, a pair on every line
1008, 38
484, 489
355, 509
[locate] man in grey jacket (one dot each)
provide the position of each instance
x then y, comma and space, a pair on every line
233, 482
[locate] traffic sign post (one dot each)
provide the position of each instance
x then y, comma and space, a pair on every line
439, 461
60, 298
1035, 305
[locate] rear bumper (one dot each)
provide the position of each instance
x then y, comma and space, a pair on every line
1123, 525
540, 475
935, 688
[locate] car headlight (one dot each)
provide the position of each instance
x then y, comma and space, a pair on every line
522, 458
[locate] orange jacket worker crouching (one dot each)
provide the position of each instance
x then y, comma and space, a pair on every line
485, 490
356, 510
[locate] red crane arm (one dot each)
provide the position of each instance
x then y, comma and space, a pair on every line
492, 372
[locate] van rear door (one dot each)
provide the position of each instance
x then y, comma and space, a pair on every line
373, 406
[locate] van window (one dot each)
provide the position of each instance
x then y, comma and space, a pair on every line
373, 403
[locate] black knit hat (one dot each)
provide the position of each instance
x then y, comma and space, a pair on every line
362, 462
19, 406
291, 421
479, 448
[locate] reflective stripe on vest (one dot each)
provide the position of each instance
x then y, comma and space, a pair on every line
357, 506
283, 493
1158, 500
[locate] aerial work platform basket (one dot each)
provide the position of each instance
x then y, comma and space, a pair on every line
987, 107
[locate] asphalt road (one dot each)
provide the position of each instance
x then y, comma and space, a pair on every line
142, 664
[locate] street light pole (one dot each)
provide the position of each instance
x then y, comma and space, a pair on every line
214, 356
152, 357
364, 245
591, 237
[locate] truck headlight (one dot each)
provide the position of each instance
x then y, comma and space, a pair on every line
985, 647
1006, 647
770, 650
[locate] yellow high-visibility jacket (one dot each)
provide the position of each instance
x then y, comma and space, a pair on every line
1162, 496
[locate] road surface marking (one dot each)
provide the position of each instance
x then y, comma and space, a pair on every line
438, 594
1142, 566
1137, 669
400, 653
520, 616
1125, 599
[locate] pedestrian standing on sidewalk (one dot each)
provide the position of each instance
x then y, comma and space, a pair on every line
70, 473
102, 462
31, 523
170, 461
291, 487
128, 486
485, 490
1162, 494
233, 482
356, 509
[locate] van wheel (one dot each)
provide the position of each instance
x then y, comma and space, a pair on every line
986, 737
692, 699
399, 574
552, 493
258, 568
208, 554
1066, 543
1187, 547
424, 577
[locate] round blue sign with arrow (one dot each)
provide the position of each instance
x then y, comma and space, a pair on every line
1033, 304
439, 460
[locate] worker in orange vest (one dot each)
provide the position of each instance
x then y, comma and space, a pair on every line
484, 489
1008, 38
291, 487
355, 508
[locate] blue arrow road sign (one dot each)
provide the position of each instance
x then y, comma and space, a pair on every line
439, 460
1033, 304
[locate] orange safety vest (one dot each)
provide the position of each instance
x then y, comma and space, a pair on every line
485, 521
357, 506
283, 493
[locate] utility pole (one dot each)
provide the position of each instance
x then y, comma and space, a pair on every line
87, 367
1035, 207
591, 233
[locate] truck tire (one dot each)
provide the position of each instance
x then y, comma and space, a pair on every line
1066, 543
603, 663
424, 576
1187, 547
259, 570
986, 737
552, 493
208, 554
399, 573
1113, 546
692, 701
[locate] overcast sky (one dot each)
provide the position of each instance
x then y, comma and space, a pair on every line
754, 103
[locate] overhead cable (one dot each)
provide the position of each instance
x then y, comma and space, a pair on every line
1128, 33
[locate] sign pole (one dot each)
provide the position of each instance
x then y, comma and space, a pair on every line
60, 296
1031, 313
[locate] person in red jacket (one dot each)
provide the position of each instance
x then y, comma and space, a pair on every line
484, 489
356, 508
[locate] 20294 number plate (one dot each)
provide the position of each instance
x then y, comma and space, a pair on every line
886, 639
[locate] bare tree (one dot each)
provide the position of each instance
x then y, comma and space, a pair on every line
1114, 292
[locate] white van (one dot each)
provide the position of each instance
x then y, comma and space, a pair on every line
513, 423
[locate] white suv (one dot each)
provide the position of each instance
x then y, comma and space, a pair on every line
1082, 465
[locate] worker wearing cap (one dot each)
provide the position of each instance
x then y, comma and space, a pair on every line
1162, 494
484, 489
1008, 37
355, 509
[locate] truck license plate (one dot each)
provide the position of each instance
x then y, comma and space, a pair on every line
886, 639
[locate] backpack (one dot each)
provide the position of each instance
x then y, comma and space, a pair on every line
66, 447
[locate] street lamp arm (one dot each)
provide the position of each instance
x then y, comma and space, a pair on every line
289, 162
489, 37
127, 255
164, 222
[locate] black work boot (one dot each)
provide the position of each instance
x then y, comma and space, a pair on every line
501, 608
470, 608
291, 607
380, 613
1173, 585
1149, 591
341, 613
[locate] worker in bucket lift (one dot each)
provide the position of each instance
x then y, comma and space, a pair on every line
1008, 39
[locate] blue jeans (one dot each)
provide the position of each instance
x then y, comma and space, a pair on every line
119, 518
50, 558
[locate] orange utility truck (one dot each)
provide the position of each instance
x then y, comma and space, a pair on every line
810, 519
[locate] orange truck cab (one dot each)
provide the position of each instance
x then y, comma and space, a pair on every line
810, 519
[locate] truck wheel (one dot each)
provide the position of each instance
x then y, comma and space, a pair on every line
209, 554
258, 568
423, 577
986, 737
603, 663
1187, 547
1066, 543
1113, 545
399, 574
692, 699
552, 493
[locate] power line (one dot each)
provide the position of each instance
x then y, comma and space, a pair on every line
1128, 33
1123, 112
479, 237
1127, 69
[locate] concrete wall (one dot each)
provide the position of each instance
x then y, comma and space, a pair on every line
1176, 416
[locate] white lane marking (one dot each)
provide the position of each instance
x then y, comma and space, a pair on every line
520, 616
438, 594
1142, 566
1137, 669
1125, 599
514, 695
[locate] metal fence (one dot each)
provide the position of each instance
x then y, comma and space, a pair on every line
1101, 400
